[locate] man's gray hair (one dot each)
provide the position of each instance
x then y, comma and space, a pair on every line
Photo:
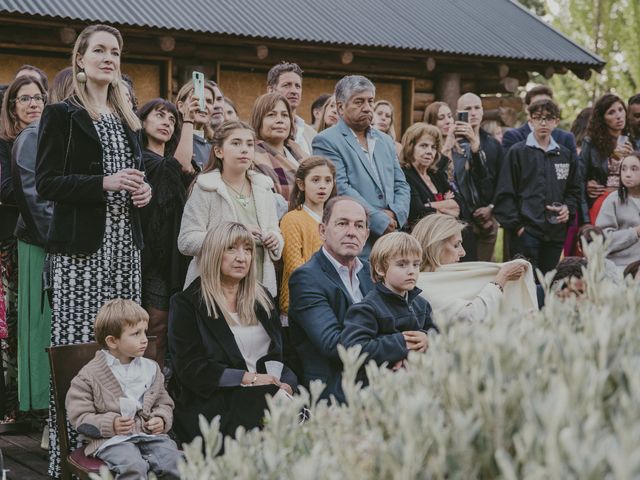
348, 86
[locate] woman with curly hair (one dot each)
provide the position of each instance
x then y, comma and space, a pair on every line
604, 148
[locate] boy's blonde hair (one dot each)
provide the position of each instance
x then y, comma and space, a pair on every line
114, 316
395, 244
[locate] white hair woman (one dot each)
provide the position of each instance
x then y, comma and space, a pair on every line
467, 291
222, 330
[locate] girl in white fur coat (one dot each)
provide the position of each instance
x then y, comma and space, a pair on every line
227, 190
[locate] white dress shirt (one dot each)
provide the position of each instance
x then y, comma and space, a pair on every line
351, 282
253, 341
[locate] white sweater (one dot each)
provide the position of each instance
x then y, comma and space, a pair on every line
210, 204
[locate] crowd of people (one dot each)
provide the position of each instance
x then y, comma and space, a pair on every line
252, 248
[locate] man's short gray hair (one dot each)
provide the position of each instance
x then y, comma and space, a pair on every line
348, 86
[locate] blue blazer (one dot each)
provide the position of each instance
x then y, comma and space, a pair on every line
355, 178
316, 319
515, 135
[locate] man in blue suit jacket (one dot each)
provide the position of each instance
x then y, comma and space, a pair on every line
520, 134
323, 289
367, 167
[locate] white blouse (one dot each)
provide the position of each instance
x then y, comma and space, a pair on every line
253, 341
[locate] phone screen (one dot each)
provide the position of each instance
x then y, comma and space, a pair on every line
463, 116
198, 89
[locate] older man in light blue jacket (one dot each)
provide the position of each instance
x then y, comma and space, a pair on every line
367, 167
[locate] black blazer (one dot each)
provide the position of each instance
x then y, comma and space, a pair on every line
421, 194
316, 319
79, 214
208, 364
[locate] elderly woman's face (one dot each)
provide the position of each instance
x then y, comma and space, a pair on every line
236, 261
452, 250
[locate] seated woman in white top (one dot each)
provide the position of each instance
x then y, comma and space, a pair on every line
619, 216
223, 329
468, 291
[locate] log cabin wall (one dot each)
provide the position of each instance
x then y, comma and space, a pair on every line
161, 61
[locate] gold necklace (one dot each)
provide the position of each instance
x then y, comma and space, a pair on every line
239, 195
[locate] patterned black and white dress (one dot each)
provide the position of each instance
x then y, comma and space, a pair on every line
82, 283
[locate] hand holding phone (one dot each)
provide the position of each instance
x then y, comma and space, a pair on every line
198, 89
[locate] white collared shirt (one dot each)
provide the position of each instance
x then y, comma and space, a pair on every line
300, 140
533, 142
134, 378
352, 283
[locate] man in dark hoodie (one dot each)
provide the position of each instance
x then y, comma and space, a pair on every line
538, 190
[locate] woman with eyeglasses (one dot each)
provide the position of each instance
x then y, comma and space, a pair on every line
22, 105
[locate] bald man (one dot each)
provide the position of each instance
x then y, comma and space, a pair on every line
483, 153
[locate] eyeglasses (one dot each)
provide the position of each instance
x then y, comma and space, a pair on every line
539, 119
26, 99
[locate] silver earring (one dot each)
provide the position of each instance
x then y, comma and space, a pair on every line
81, 77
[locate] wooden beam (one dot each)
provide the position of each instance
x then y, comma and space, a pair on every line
421, 100
493, 103
424, 85
408, 100
448, 88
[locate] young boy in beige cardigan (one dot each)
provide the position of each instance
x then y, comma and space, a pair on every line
118, 402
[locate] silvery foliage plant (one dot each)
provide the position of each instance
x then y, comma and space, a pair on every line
549, 394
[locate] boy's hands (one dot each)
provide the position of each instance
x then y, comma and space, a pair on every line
122, 425
416, 340
155, 425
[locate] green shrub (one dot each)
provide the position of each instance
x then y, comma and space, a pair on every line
550, 395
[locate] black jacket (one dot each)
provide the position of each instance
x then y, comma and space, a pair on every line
35, 212
421, 194
378, 321
161, 220
208, 366
493, 155
530, 180
69, 172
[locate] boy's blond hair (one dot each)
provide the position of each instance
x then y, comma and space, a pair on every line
114, 316
395, 244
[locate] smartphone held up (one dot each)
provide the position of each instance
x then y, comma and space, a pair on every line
198, 89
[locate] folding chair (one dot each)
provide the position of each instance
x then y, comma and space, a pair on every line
66, 361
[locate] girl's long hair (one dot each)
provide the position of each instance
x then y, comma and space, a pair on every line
623, 192
116, 96
598, 130
250, 293
297, 198
392, 127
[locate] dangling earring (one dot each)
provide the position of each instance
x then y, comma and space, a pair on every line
81, 77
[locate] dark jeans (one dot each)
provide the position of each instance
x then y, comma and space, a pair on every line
541, 253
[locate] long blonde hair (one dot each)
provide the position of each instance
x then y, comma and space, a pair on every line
184, 94
116, 97
392, 127
433, 232
250, 293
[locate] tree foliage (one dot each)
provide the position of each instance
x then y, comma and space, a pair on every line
608, 28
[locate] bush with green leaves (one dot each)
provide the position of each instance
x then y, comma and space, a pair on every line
550, 394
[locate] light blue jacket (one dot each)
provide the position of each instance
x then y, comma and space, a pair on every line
355, 178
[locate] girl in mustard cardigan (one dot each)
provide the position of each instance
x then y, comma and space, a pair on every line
315, 184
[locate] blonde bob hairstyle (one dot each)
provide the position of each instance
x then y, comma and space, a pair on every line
410, 138
250, 293
116, 96
394, 244
433, 232
392, 127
